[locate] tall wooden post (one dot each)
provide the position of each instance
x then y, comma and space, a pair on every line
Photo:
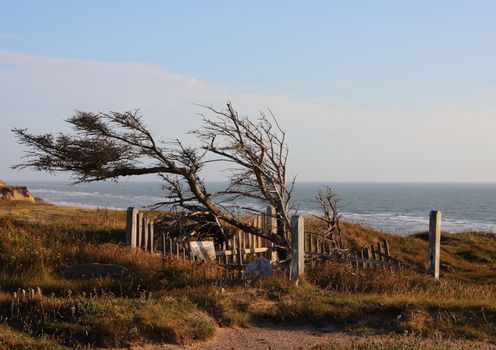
151, 232
146, 224
132, 213
260, 226
163, 246
270, 228
297, 247
434, 243
239, 252
234, 245
139, 242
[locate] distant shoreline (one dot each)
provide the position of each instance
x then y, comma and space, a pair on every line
394, 207
135, 181
75, 207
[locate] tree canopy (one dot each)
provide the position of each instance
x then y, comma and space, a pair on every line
107, 146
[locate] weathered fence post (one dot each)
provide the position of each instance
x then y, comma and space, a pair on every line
379, 252
146, 224
297, 247
270, 227
239, 252
385, 243
434, 243
131, 226
151, 230
366, 254
139, 241
163, 246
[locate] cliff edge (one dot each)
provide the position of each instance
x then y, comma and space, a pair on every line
16, 193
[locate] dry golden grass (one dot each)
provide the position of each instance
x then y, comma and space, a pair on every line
423, 311
399, 342
12, 339
168, 300
472, 255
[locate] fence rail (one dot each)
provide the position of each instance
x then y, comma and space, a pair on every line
244, 247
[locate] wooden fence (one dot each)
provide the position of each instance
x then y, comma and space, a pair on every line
377, 256
244, 247
140, 230
240, 249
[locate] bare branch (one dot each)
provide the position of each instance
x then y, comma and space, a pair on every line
108, 146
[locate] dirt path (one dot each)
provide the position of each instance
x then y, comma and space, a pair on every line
275, 338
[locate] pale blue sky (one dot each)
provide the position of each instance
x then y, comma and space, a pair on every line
367, 90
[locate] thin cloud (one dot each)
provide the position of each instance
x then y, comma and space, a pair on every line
327, 141
8, 37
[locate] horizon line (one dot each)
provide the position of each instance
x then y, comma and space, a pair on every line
69, 182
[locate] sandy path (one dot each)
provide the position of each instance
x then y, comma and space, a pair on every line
274, 338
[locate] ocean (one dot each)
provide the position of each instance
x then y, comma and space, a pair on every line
396, 207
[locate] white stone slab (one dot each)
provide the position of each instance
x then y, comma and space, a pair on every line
204, 250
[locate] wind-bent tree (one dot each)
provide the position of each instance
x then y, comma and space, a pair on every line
108, 146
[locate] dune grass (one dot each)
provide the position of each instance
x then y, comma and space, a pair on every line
179, 301
398, 342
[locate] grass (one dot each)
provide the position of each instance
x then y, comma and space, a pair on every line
102, 319
13, 339
396, 342
178, 301
380, 313
472, 255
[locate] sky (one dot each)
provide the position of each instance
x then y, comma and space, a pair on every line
388, 91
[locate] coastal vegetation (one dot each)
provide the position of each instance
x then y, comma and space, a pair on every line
180, 301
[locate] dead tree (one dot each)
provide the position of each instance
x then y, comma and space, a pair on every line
329, 203
108, 146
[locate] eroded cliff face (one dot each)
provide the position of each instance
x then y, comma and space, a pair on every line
15, 193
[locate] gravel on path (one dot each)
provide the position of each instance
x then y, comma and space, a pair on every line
278, 338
